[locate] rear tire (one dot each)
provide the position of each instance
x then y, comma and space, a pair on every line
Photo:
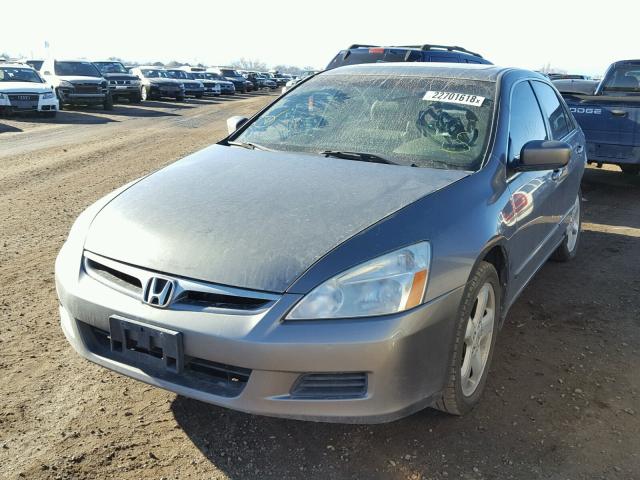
475, 337
568, 249
180, 98
198, 95
630, 169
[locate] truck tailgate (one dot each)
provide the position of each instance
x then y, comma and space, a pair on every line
611, 124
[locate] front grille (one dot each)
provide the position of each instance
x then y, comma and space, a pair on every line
120, 82
191, 294
112, 275
22, 97
330, 386
212, 377
87, 88
216, 300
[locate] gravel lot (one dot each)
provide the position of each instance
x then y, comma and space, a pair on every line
562, 400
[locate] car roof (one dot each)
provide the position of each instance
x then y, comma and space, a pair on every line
149, 67
16, 65
467, 71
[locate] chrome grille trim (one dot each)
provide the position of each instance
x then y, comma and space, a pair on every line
256, 301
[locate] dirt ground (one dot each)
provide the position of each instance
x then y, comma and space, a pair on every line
562, 400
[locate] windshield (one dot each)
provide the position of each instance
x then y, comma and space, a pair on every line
623, 78
229, 73
408, 120
182, 75
111, 67
199, 75
81, 69
8, 74
154, 73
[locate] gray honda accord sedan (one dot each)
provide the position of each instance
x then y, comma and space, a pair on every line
348, 254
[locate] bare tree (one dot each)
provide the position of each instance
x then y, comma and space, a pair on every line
248, 64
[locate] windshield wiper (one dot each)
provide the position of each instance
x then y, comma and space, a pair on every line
360, 156
249, 145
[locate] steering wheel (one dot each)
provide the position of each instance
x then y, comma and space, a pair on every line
455, 135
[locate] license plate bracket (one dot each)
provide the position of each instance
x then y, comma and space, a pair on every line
145, 345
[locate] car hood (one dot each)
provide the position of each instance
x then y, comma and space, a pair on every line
27, 87
252, 219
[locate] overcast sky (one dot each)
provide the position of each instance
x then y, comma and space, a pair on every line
578, 36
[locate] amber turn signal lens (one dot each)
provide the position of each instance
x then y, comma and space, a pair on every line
417, 289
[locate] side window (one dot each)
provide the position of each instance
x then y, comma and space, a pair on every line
526, 121
559, 123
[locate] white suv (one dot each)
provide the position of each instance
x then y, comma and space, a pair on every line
23, 90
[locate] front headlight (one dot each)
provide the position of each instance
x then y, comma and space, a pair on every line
3, 96
65, 84
48, 95
388, 284
135, 82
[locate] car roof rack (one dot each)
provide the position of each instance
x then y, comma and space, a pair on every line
426, 46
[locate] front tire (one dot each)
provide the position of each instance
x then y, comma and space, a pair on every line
630, 169
108, 103
144, 93
135, 98
569, 246
476, 332
180, 98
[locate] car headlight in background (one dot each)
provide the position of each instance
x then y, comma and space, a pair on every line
135, 82
388, 284
48, 95
65, 84
181, 86
3, 96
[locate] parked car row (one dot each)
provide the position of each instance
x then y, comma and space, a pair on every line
47, 86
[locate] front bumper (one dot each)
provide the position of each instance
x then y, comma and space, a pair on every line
194, 91
83, 98
124, 90
403, 356
38, 104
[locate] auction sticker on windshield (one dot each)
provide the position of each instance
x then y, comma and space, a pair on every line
453, 97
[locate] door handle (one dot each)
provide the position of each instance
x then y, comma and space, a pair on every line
579, 148
618, 113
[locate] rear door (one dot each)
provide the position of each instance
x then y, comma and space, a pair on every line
560, 127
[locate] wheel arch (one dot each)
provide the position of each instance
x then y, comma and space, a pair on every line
495, 253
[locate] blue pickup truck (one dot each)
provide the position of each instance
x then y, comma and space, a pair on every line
609, 115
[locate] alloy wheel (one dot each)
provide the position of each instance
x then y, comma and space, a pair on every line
477, 339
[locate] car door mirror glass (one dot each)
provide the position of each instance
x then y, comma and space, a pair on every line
543, 155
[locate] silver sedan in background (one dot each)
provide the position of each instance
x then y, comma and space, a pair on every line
348, 255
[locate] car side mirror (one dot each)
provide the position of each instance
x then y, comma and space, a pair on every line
234, 123
543, 155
